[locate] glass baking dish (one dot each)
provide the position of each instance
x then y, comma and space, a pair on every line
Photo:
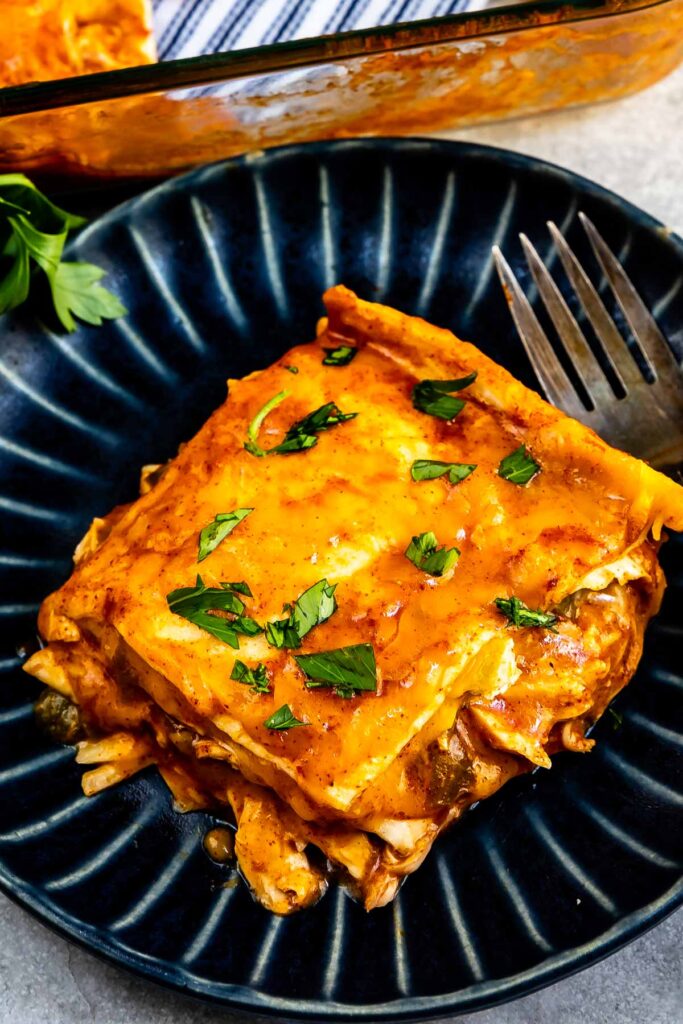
446, 72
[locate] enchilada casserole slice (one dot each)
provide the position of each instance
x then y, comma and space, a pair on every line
383, 579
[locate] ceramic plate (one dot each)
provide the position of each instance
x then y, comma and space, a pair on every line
222, 270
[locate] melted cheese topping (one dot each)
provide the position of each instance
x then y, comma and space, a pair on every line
346, 510
391, 762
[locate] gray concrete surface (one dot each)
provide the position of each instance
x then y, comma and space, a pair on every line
45, 980
633, 146
636, 148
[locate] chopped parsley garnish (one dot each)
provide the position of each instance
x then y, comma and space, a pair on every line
435, 397
339, 356
200, 605
346, 669
251, 444
424, 552
292, 369
519, 614
239, 588
33, 232
301, 435
282, 634
283, 719
256, 677
311, 608
224, 523
518, 467
430, 469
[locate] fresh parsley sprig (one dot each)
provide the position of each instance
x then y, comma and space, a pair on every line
33, 232
347, 669
256, 678
301, 435
519, 614
431, 469
435, 397
223, 525
282, 719
310, 609
425, 553
518, 467
199, 605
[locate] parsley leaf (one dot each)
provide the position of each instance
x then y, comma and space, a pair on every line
256, 677
282, 634
226, 630
14, 287
283, 719
33, 232
200, 603
295, 443
435, 396
430, 469
314, 606
44, 248
251, 444
339, 356
292, 369
202, 598
519, 614
76, 292
346, 669
310, 609
518, 467
302, 434
19, 191
223, 525
424, 552
238, 588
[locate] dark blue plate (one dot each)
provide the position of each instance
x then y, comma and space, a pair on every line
222, 270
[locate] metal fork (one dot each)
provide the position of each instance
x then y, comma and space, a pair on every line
647, 420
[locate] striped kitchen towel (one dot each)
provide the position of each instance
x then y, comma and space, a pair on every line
187, 28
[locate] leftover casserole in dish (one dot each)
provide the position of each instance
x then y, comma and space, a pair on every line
47, 39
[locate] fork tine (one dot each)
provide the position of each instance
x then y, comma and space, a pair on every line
570, 334
617, 351
652, 343
555, 382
